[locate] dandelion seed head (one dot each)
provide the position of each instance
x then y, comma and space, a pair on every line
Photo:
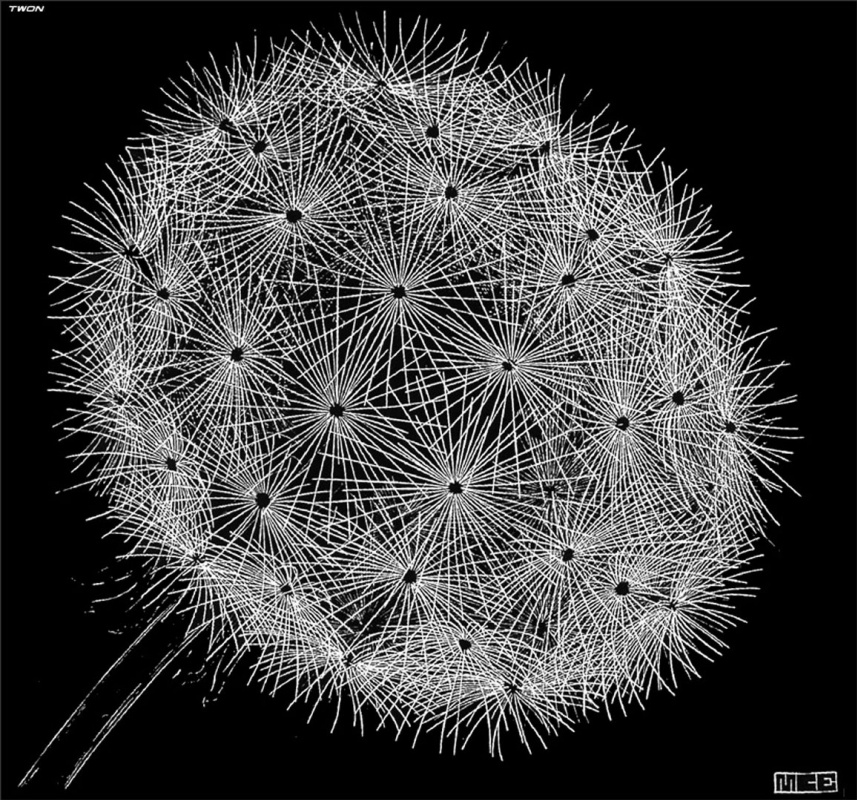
451, 456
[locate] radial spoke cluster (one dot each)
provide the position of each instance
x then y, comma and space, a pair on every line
416, 393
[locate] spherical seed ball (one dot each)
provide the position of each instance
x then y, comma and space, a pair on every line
435, 399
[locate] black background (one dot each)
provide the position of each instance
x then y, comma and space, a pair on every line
758, 102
